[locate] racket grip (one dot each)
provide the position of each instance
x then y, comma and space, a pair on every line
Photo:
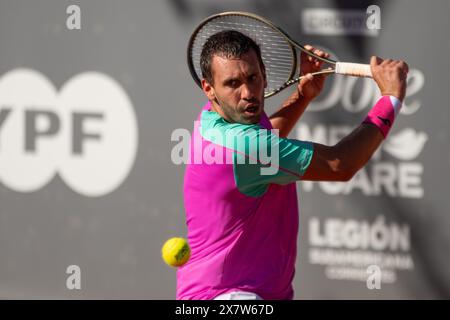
353, 69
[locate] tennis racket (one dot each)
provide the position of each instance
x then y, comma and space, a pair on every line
278, 50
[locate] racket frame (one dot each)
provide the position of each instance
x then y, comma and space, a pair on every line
292, 43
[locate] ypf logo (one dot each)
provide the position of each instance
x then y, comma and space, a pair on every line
86, 132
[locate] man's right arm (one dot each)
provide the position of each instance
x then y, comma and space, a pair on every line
342, 161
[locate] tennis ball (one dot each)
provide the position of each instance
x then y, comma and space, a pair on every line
176, 252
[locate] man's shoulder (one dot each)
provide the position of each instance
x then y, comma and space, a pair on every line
212, 120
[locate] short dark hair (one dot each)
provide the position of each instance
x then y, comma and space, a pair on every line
227, 44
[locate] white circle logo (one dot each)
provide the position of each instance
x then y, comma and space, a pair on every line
87, 133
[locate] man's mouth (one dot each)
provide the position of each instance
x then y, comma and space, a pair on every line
251, 109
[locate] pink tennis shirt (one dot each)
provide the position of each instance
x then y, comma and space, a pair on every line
242, 223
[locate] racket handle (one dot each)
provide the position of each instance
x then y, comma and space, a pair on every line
353, 69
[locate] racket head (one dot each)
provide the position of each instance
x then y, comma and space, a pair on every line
277, 50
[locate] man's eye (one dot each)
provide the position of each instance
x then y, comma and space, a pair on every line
233, 83
253, 78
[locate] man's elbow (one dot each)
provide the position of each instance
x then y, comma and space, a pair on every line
340, 166
343, 175
345, 172
348, 175
346, 165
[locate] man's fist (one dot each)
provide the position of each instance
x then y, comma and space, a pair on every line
311, 86
390, 76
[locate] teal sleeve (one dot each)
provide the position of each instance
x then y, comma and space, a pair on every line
294, 157
261, 157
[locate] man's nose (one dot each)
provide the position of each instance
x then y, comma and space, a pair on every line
247, 92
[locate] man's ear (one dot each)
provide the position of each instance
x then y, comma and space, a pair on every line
208, 90
263, 69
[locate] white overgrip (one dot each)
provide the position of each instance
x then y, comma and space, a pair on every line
353, 69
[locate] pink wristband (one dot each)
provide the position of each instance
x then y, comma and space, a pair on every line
383, 113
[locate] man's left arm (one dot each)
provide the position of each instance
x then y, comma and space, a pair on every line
285, 118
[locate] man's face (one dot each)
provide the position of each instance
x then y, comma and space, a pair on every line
238, 89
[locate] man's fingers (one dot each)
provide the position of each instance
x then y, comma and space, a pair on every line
307, 78
403, 65
390, 76
375, 61
310, 49
310, 63
317, 52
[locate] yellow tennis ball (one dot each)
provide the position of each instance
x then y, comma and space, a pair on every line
176, 252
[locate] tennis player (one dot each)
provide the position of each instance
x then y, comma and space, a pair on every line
243, 221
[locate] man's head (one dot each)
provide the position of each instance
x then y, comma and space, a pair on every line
234, 76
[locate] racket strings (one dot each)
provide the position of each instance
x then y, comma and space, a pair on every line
276, 52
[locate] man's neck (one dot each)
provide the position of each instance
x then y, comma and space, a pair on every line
216, 108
